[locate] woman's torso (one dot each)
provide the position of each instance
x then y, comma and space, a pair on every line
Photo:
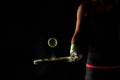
103, 34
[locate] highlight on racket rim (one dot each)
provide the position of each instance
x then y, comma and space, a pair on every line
51, 59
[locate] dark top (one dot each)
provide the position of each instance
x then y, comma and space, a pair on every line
103, 32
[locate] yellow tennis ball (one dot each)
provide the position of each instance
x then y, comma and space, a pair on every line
52, 42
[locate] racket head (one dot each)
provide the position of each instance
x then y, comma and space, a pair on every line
64, 59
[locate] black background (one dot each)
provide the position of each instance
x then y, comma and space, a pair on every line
30, 25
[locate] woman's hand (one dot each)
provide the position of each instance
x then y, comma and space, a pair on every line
74, 56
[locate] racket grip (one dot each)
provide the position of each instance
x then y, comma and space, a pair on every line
75, 58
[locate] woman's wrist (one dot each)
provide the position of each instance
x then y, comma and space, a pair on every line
73, 48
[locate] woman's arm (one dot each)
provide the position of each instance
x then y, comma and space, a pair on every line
78, 22
73, 48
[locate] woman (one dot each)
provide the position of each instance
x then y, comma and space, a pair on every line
102, 16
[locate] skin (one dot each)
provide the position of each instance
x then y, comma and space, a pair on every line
78, 22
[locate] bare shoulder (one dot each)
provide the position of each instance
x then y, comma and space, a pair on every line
81, 5
81, 8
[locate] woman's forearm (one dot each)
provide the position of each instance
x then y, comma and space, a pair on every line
73, 40
74, 37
